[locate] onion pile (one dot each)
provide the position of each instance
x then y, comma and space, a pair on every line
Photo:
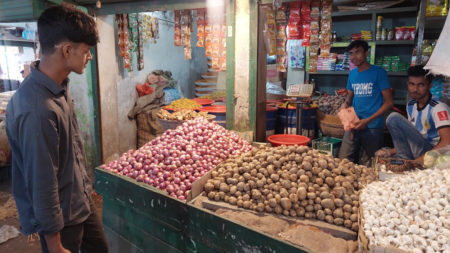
173, 161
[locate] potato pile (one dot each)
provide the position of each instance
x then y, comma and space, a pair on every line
182, 115
331, 104
293, 181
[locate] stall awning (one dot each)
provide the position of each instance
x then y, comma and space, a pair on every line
439, 63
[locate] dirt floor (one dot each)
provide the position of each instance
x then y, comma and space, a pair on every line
9, 216
308, 237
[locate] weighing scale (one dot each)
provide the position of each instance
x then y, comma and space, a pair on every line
303, 93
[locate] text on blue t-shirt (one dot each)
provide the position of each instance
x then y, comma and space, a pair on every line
367, 96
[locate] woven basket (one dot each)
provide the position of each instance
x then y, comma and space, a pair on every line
328, 118
330, 125
332, 130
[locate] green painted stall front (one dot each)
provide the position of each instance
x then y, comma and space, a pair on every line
140, 218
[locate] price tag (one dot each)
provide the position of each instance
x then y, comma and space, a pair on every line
300, 90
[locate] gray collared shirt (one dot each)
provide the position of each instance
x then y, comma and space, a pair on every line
49, 179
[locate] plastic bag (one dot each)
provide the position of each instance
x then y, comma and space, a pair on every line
172, 94
431, 157
348, 118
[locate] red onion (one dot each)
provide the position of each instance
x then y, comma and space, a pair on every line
180, 156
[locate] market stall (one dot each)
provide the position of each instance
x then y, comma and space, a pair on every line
200, 187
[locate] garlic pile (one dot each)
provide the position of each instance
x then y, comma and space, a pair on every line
411, 212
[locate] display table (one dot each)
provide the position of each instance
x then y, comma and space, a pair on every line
136, 215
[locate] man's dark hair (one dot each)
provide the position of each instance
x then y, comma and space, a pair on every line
358, 43
63, 23
419, 71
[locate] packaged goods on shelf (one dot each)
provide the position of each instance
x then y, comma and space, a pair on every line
366, 35
327, 63
325, 27
437, 8
392, 64
405, 33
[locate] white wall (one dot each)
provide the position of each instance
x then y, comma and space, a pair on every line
108, 79
117, 85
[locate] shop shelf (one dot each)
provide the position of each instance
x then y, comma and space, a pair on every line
376, 11
394, 42
397, 73
10, 40
323, 72
346, 43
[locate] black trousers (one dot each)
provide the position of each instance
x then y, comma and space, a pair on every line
87, 237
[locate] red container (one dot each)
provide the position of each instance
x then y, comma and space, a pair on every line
399, 33
288, 140
203, 101
214, 109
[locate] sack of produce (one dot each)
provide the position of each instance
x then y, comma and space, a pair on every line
148, 127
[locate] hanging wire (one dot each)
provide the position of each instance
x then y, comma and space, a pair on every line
168, 21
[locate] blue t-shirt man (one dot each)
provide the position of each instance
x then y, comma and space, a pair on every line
367, 96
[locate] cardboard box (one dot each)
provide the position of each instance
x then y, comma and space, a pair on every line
197, 186
363, 241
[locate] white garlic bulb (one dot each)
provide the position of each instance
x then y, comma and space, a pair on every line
411, 211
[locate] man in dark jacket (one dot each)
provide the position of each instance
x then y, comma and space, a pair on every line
49, 179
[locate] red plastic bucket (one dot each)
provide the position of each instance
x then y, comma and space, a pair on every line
288, 140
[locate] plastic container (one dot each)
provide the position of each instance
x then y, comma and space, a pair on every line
206, 82
220, 111
271, 119
291, 115
288, 140
203, 101
210, 75
327, 145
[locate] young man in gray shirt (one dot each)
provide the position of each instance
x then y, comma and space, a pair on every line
49, 180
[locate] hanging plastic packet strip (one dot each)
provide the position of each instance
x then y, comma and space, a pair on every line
294, 22
306, 21
200, 28
296, 54
177, 28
